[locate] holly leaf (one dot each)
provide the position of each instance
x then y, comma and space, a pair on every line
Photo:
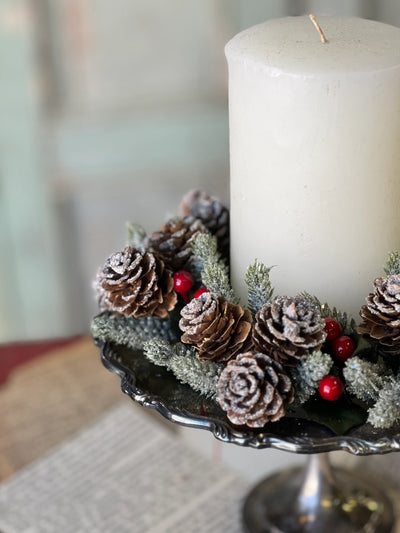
362, 346
339, 416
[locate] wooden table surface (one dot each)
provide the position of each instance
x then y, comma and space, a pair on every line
50, 398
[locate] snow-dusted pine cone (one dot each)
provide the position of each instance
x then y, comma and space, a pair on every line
213, 214
381, 314
217, 328
289, 329
135, 283
174, 241
254, 389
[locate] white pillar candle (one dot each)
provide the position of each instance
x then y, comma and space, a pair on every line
315, 155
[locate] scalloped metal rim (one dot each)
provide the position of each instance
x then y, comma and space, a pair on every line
228, 433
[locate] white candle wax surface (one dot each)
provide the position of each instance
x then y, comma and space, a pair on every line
315, 155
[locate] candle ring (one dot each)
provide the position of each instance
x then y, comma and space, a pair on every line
260, 360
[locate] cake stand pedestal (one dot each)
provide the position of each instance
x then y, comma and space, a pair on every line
315, 499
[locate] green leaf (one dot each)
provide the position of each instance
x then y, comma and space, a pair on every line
339, 416
362, 346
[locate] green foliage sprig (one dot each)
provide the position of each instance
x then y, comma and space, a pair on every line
392, 265
386, 410
136, 235
213, 270
128, 331
365, 379
260, 290
307, 375
180, 359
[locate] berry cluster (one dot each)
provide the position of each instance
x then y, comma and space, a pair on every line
341, 348
183, 284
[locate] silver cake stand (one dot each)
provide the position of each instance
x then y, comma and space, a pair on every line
318, 498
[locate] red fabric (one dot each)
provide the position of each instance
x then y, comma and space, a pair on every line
12, 355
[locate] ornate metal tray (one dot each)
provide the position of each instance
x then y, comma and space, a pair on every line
156, 388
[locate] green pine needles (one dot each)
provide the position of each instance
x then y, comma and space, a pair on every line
259, 286
386, 410
131, 332
307, 375
374, 384
392, 265
213, 270
180, 359
365, 379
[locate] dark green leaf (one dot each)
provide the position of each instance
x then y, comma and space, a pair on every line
339, 416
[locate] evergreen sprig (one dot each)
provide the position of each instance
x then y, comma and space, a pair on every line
347, 326
131, 332
205, 250
392, 265
180, 359
365, 379
307, 375
386, 411
213, 270
136, 235
260, 290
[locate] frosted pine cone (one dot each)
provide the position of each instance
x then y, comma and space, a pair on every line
289, 329
381, 314
135, 283
174, 241
254, 389
213, 214
217, 328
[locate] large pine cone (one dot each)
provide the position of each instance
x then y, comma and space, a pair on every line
135, 283
219, 329
381, 315
289, 329
254, 389
213, 214
174, 241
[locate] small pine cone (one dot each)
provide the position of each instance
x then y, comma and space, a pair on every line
381, 314
213, 214
135, 283
174, 241
254, 389
217, 328
289, 329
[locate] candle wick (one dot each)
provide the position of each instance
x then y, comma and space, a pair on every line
318, 28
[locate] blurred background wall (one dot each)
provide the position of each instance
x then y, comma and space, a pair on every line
110, 111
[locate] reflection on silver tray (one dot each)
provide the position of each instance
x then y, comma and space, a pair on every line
154, 387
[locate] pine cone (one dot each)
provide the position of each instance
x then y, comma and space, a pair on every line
135, 283
173, 242
213, 214
216, 327
381, 315
289, 329
254, 389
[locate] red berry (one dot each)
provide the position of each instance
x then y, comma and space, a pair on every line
330, 388
200, 291
332, 329
343, 347
183, 282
